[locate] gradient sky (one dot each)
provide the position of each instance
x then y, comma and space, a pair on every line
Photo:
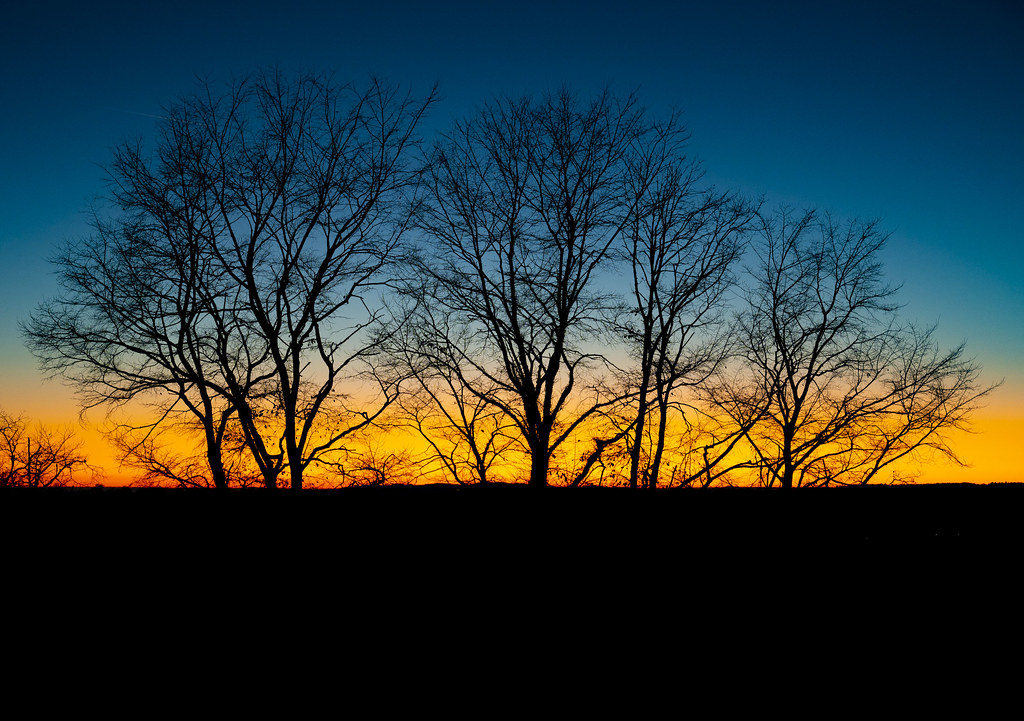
909, 112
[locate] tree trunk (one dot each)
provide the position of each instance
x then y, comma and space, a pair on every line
787, 468
539, 470
213, 445
294, 457
788, 433
654, 470
638, 437
220, 478
270, 479
540, 462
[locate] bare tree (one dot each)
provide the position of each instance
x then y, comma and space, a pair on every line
241, 270
524, 205
681, 244
465, 434
376, 465
313, 210
135, 318
38, 456
164, 454
844, 388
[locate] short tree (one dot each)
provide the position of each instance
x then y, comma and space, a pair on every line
38, 456
443, 403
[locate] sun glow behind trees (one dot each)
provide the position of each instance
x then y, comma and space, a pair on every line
217, 290
984, 451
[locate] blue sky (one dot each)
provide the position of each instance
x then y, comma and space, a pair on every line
912, 113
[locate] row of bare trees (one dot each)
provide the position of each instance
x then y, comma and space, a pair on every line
549, 288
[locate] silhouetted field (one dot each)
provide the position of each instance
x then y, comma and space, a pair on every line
360, 542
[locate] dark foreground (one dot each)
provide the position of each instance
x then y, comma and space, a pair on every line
491, 588
510, 536
456, 581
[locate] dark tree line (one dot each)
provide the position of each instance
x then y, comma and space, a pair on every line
550, 288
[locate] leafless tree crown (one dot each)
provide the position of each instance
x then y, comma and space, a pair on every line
551, 292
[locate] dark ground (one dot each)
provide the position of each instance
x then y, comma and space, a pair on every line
457, 581
513, 535
851, 593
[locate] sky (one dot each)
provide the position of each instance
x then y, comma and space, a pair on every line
911, 113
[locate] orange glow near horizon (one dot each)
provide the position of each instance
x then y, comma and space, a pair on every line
992, 453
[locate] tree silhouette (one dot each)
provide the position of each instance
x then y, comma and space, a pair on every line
681, 245
140, 313
163, 454
279, 272
835, 388
523, 206
39, 456
466, 434
240, 271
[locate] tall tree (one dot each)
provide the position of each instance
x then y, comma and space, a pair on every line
249, 251
681, 244
311, 187
524, 204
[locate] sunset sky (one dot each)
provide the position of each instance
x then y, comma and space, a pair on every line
909, 112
